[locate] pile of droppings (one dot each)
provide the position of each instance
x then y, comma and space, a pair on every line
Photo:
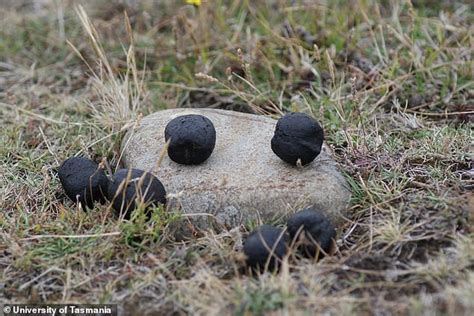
191, 139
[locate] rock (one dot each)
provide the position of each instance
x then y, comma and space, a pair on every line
83, 181
128, 185
243, 180
266, 244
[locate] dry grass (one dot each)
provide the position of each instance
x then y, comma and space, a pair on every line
391, 81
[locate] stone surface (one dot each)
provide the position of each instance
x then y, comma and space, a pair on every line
243, 180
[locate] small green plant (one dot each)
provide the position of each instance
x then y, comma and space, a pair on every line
258, 301
146, 225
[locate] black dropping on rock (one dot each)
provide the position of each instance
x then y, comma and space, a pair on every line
129, 184
310, 228
265, 243
83, 180
297, 136
192, 139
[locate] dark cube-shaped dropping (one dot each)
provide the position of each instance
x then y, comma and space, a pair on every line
192, 139
83, 181
265, 244
129, 185
311, 229
297, 137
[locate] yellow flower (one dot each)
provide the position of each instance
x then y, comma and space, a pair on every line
194, 2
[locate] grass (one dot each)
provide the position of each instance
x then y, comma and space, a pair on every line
391, 82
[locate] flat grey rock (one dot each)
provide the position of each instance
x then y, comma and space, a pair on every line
243, 180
